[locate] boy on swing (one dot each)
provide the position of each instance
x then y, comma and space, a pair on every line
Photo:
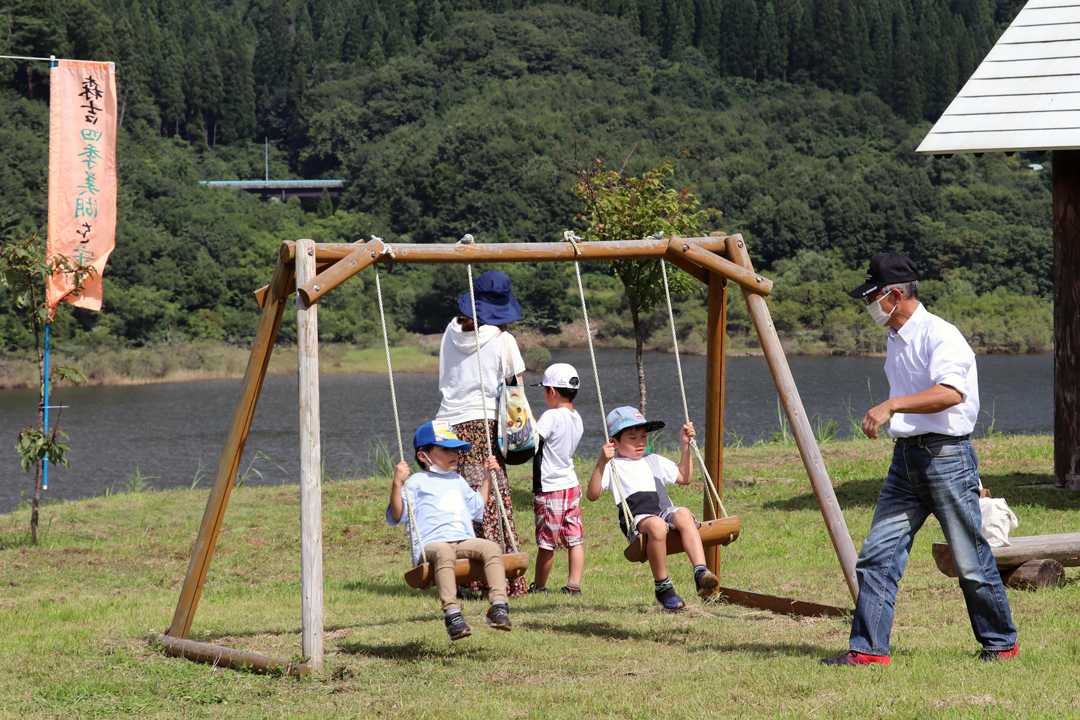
641, 480
444, 507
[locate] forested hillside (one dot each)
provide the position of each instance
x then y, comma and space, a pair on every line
798, 119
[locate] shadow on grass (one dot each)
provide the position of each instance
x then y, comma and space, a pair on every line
849, 495
766, 650
600, 629
1011, 486
414, 652
391, 589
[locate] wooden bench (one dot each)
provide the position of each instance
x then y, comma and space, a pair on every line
1027, 563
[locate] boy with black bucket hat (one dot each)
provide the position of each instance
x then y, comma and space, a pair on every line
641, 480
444, 507
556, 490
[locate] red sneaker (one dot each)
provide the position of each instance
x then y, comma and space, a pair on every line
992, 655
857, 658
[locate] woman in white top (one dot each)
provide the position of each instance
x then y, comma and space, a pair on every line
465, 407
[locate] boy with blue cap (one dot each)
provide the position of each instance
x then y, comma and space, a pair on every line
444, 507
641, 480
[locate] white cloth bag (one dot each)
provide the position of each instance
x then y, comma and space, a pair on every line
997, 520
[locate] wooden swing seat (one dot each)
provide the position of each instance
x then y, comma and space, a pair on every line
713, 532
467, 571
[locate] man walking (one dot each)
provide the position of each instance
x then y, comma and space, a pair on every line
932, 406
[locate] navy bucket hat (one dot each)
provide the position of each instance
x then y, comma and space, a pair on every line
495, 304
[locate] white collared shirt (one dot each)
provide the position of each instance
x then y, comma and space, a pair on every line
928, 351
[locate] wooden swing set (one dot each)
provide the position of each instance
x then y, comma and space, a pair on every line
311, 270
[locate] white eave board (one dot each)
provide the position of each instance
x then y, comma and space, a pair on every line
1025, 95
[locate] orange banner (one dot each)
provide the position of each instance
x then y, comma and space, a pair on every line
82, 176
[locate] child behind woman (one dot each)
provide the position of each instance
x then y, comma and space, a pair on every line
444, 507
556, 490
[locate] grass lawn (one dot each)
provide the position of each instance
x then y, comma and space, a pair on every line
77, 612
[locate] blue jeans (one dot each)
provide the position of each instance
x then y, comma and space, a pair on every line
929, 474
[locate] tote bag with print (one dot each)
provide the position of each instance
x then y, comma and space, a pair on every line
517, 426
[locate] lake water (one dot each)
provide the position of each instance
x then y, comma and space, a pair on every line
173, 433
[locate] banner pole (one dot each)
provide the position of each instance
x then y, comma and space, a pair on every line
45, 390
45, 461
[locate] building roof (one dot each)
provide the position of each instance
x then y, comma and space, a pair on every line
1025, 95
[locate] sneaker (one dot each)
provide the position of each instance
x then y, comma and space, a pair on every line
992, 655
706, 583
669, 599
535, 589
498, 617
567, 590
856, 658
457, 627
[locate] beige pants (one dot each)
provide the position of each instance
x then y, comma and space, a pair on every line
443, 556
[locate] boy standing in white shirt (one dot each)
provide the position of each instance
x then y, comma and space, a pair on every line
641, 480
556, 490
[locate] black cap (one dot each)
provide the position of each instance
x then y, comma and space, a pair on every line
886, 269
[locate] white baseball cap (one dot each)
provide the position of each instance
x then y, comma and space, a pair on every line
560, 375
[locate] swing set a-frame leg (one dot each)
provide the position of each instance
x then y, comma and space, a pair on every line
206, 540
716, 352
800, 425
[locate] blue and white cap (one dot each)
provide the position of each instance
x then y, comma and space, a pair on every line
438, 432
625, 417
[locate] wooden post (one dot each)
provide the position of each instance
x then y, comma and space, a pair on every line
311, 560
800, 425
206, 540
716, 352
708, 259
1066, 213
226, 657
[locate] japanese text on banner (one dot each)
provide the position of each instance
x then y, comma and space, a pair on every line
82, 176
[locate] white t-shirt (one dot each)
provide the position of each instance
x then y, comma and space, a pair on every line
459, 376
642, 481
553, 464
929, 351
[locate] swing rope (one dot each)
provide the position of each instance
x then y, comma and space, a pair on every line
397, 423
509, 533
714, 495
571, 238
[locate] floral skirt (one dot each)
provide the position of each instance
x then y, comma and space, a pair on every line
471, 467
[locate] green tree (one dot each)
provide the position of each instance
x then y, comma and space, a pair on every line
326, 206
620, 207
23, 271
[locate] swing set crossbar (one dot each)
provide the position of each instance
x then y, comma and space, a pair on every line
337, 262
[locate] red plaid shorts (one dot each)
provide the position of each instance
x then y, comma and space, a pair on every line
558, 516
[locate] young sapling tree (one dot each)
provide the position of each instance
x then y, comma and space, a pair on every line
621, 207
24, 269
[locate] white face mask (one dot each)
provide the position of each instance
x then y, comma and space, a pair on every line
435, 469
880, 316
